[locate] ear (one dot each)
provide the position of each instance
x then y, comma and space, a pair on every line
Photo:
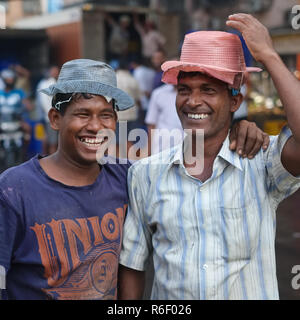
54, 118
236, 102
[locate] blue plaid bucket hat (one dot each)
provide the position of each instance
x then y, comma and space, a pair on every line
90, 76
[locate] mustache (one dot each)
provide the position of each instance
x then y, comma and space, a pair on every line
200, 109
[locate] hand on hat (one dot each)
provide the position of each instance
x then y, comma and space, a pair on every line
255, 34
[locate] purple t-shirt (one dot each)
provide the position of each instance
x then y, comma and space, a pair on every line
58, 241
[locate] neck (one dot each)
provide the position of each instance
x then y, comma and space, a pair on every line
68, 172
212, 145
200, 153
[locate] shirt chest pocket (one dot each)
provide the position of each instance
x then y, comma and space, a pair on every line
239, 227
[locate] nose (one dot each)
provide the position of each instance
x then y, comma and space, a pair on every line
195, 99
94, 125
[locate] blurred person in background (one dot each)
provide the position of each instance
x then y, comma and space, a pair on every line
144, 75
127, 83
157, 59
152, 40
162, 114
23, 78
43, 103
118, 42
14, 110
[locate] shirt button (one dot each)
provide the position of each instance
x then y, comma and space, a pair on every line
205, 266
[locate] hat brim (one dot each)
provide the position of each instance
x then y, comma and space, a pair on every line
171, 70
123, 100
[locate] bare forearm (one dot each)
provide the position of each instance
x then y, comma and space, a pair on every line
288, 88
131, 284
260, 44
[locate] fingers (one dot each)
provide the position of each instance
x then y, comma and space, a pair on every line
235, 22
232, 137
266, 141
243, 18
254, 149
241, 136
247, 139
236, 25
243, 22
262, 141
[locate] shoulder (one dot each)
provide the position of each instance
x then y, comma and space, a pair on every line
16, 181
152, 167
116, 167
17, 174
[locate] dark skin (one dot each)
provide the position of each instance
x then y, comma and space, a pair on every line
74, 163
203, 95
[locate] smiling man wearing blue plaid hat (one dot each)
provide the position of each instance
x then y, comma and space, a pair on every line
61, 216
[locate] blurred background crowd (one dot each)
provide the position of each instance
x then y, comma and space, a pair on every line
135, 37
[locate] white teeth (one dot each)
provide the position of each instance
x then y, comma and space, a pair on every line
197, 116
91, 142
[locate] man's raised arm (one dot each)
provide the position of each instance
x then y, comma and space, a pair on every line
260, 45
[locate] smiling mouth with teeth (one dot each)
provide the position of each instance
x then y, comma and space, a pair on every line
197, 115
92, 142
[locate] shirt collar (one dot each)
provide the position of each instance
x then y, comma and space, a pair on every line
225, 153
230, 156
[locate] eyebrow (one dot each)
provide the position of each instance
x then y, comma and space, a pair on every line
202, 85
214, 84
80, 109
108, 110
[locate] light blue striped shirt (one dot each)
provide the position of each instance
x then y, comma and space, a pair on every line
211, 240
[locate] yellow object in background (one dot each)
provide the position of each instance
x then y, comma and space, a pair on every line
273, 127
39, 131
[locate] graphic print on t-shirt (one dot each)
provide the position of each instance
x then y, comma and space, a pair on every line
80, 256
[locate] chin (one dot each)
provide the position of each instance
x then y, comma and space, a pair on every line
87, 159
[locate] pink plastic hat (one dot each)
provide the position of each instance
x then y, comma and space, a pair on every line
216, 53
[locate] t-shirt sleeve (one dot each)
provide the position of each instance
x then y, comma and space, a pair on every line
8, 230
136, 245
280, 182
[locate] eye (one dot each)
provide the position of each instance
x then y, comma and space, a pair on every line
107, 116
209, 90
183, 90
82, 114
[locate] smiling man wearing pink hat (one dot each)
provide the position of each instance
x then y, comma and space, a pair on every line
212, 233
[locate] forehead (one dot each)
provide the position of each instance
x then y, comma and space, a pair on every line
199, 78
